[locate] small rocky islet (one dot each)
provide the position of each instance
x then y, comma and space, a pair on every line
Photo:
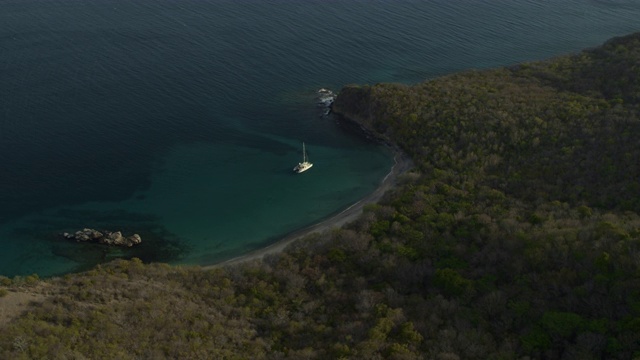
114, 238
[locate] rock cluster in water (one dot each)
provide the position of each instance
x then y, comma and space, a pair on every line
107, 237
325, 100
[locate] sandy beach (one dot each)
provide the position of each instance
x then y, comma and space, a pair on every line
402, 163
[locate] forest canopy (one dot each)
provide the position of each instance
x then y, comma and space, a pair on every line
516, 235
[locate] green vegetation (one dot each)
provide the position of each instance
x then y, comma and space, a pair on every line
516, 235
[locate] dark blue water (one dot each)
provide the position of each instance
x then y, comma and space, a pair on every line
181, 120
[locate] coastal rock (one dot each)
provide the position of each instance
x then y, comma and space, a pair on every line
114, 238
325, 98
107, 237
134, 239
84, 235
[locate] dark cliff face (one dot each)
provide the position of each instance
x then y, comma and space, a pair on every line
353, 102
354, 106
367, 107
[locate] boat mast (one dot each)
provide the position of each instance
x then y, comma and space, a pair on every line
304, 153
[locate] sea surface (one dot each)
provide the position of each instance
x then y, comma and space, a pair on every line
182, 120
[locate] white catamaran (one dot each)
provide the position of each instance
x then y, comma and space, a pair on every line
305, 164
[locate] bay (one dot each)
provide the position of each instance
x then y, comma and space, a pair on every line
182, 120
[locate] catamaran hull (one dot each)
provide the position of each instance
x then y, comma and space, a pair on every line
302, 168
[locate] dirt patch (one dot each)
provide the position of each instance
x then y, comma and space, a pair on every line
16, 302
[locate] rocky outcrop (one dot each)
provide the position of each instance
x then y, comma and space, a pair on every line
357, 108
106, 237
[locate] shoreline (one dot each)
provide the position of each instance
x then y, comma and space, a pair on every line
402, 163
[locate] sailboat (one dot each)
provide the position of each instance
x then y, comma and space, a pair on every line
305, 164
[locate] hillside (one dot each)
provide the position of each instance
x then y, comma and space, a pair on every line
517, 234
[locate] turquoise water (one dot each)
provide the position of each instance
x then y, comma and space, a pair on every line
181, 121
